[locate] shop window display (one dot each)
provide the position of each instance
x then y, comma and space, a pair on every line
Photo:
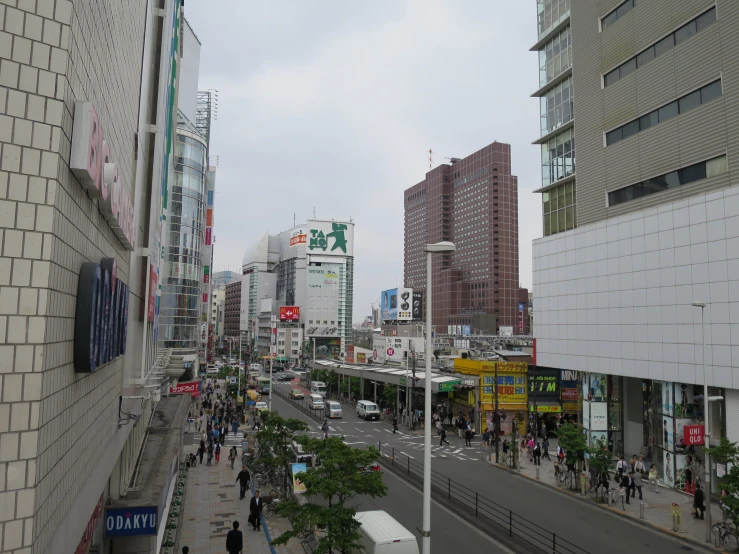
605, 418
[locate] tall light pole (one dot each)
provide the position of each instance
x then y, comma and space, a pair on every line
706, 434
430, 249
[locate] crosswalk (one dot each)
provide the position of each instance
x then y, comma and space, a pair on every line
231, 439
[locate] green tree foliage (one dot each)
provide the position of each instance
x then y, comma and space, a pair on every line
600, 461
329, 486
275, 441
390, 396
574, 442
727, 454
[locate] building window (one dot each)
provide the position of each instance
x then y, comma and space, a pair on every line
666, 112
684, 176
558, 157
555, 56
559, 210
700, 23
557, 107
551, 13
617, 13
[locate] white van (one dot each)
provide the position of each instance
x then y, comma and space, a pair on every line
315, 402
381, 534
255, 367
333, 410
368, 410
317, 387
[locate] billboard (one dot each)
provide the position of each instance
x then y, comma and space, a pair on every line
325, 276
289, 313
405, 304
297, 237
389, 305
505, 331
322, 331
330, 238
417, 307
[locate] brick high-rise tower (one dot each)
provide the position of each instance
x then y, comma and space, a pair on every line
472, 202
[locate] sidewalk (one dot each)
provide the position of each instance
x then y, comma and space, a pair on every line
657, 505
211, 506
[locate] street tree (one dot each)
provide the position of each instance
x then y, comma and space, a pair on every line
340, 476
727, 454
275, 442
574, 442
390, 396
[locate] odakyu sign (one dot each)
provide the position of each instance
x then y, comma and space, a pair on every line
92, 164
101, 317
131, 521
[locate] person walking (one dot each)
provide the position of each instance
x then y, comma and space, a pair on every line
537, 455
442, 438
395, 425
255, 511
545, 446
485, 439
621, 466
631, 489
232, 456
698, 502
639, 466
201, 450
210, 453
637, 483
530, 448
244, 478
653, 478
324, 428
468, 438
218, 452
235, 540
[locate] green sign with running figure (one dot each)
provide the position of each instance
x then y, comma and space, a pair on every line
448, 386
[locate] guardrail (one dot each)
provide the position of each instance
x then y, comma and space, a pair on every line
482, 507
300, 404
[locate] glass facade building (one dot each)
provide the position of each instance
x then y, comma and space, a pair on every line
180, 304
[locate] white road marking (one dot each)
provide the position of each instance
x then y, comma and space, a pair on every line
411, 457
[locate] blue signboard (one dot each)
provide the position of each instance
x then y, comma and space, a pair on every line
210, 198
131, 521
466, 330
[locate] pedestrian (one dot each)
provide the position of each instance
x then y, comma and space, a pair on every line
620, 467
218, 452
210, 453
639, 466
201, 450
255, 511
545, 446
216, 434
530, 448
485, 439
468, 438
653, 478
235, 540
505, 446
537, 455
235, 426
324, 428
631, 490
443, 438
232, 456
625, 483
637, 483
395, 425
244, 479
632, 462
185, 550
698, 502
438, 426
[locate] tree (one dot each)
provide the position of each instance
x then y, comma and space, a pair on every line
572, 439
390, 396
600, 460
727, 454
329, 486
275, 441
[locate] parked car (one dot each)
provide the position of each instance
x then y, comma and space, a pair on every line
370, 468
296, 394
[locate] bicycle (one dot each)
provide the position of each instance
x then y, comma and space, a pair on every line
562, 476
723, 533
617, 493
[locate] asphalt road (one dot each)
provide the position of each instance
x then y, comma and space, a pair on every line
589, 527
404, 503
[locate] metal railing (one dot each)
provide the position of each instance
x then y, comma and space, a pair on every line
283, 391
482, 507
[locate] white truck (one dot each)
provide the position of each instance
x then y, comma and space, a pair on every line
382, 534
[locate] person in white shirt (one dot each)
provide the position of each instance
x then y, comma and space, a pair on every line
639, 466
621, 467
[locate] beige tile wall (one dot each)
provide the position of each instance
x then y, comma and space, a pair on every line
54, 423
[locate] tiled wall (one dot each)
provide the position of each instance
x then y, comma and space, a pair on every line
54, 423
616, 296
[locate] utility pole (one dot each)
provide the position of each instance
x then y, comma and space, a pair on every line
496, 418
413, 391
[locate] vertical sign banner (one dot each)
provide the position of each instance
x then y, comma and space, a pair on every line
153, 284
208, 236
209, 217
206, 274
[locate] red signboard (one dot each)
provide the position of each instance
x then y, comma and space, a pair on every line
297, 239
569, 394
193, 387
693, 434
153, 281
289, 313
208, 236
87, 535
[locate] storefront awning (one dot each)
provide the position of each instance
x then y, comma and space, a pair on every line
506, 407
545, 407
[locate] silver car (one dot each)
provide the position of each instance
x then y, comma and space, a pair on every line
333, 410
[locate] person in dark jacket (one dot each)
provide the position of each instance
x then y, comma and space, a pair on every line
255, 511
537, 454
201, 451
235, 540
698, 502
468, 438
243, 478
395, 425
442, 438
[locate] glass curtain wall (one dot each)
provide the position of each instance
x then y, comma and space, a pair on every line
180, 306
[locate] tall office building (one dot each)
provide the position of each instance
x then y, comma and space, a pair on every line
657, 222
472, 202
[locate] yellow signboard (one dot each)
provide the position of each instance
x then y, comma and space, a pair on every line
476, 367
466, 398
570, 407
547, 409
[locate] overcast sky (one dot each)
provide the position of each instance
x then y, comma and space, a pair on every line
335, 104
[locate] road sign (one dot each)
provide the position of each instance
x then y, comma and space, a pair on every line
232, 380
390, 352
374, 354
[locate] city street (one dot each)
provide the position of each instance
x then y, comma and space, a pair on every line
589, 527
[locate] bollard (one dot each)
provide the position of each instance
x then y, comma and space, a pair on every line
676, 517
537, 473
641, 509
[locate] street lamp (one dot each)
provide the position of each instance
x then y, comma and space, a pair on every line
430, 249
706, 434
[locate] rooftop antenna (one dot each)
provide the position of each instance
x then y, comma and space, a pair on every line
431, 158
314, 212
293, 220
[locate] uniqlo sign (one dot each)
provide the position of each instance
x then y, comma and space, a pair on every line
289, 313
693, 434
